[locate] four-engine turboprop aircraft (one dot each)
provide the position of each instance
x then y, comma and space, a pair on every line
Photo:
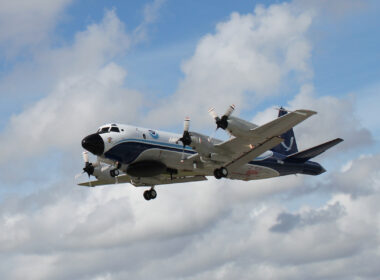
146, 157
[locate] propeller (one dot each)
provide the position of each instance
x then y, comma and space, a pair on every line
88, 167
186, 138
223, 121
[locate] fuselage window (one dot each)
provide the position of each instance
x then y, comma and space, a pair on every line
115, 129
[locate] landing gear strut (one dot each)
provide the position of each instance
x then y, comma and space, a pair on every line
115, 172
150, 194
220, 173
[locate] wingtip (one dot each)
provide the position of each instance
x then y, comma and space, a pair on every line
306, 112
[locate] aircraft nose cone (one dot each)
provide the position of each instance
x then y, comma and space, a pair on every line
94, 144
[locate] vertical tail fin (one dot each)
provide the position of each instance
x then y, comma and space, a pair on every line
289, 146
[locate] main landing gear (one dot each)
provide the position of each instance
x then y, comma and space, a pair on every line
220, 173
115, 172
150, 194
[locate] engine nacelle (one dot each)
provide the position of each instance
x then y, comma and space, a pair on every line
238, 127
103, 172
201, 143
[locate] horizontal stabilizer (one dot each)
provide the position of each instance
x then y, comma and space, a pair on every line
313, 152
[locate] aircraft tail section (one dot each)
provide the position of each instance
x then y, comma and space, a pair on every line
289, 146
313, 152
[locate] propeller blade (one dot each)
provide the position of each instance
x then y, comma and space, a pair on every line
212, 113
78, 175
85, 156
230, 110
183, 157
186, 124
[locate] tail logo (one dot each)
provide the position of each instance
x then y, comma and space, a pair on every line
287, 148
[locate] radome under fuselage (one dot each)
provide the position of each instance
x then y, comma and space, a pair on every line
127, 144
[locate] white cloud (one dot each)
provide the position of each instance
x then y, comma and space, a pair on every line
252, 53
74, 109
204, 231
151, 12
92, 48
27, 24
89, 92
358, 178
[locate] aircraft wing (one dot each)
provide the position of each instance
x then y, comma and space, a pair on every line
101, 182
162, 179
241, 150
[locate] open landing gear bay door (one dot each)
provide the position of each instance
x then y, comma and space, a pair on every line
241, 150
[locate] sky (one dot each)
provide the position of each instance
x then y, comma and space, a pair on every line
67, 67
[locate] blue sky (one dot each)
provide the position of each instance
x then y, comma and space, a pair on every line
67, 67
346, 65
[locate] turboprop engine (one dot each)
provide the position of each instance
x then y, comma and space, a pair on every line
101, 172
200, 142
235, 126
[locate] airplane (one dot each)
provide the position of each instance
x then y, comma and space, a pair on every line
148, 158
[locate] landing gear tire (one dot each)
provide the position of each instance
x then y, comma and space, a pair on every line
153, 194
150, 194
220, 173
114, 172
147, 195
224, 172
217, 174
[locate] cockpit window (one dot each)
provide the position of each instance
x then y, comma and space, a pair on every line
103, 129
115, 129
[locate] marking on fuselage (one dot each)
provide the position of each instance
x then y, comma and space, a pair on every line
154, 134
287, 148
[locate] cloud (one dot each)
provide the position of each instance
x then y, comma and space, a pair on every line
151, 12
287, 221
248, 57
359, 178
203, 230
87, 83
26, 24
92, 48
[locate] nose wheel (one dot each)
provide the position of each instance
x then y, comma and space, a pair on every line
220, 173
150, 194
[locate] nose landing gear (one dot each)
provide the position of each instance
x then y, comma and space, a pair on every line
150, 194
